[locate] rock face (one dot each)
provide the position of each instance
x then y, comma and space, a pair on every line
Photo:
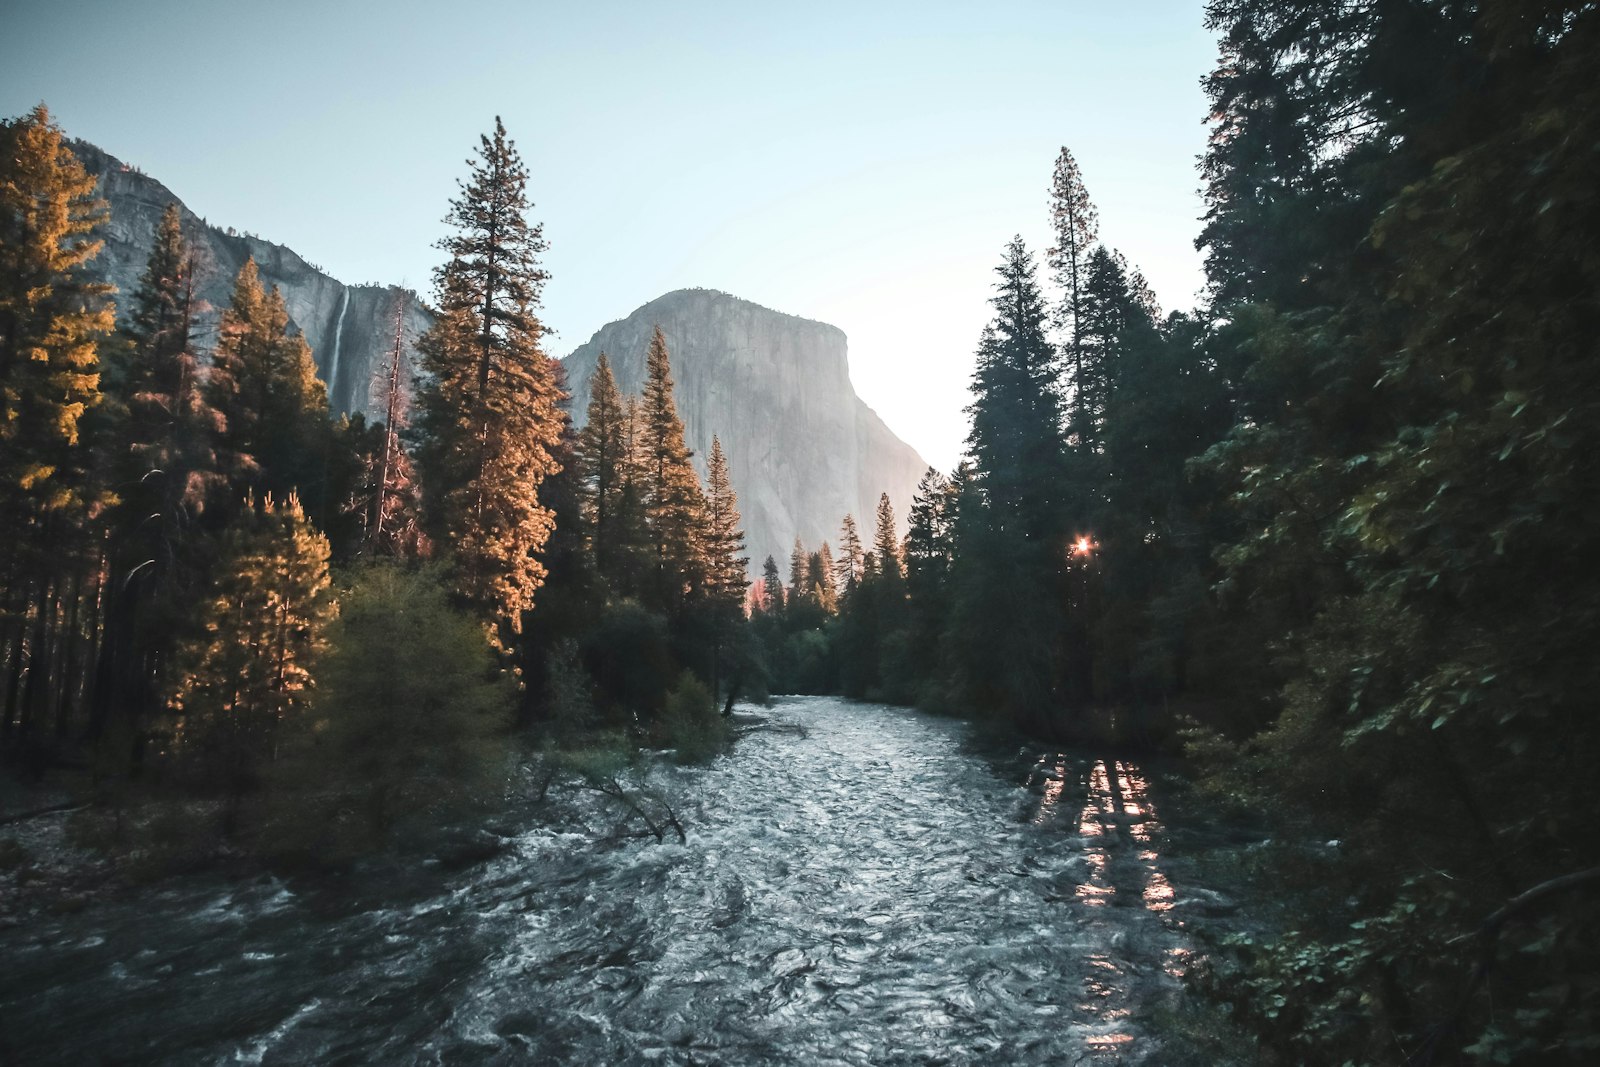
350, 327
803, 449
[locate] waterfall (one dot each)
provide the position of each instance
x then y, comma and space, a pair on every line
338, 339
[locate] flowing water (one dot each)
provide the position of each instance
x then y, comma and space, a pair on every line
861, 885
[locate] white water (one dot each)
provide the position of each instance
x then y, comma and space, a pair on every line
338, 341
861, 887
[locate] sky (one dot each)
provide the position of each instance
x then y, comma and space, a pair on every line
862, 164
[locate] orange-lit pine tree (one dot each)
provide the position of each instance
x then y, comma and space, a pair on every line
490, 408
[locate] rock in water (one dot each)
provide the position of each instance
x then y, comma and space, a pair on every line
360, 317
803, 449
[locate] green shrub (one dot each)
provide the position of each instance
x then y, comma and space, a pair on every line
693, 724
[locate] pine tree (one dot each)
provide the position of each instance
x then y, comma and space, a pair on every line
394, 517
799, 573
847, 574
490, 411
52, 320
264, 384
927, 535
1112, 315
251, 669
822, 578
674, 504
771, 587
886, 542
1013, 564
726, 580
1077, 226
725, 566
604, 464
167, 461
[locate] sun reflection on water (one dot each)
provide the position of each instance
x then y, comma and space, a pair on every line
1117, 812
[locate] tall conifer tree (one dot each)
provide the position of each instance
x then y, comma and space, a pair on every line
490, 411
674, 504
1013, 566
604, 461
886, 542
1076, 225
771, 587
264, 383
51, 322
252, 666
168, 462
847, 572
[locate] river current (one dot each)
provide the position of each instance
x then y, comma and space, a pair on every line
861, 885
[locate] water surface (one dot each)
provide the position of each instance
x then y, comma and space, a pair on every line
861, 885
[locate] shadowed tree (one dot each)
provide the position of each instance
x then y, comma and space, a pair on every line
674, 505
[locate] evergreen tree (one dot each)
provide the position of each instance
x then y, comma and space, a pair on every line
848, 573
52, 320
1111, 317
251, 668
927, 535
725, 566
264, 384
168, 463
1013, 574
724, 540
771, 587
673, 502
490, 415
799, 573
1076, 225
399, 734
886, 542
603, 455
822, 572
394, 516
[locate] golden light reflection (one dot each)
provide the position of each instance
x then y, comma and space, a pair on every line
1116, 806
1055, 783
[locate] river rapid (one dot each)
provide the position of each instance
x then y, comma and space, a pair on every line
861, 885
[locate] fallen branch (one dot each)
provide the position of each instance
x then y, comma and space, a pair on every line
609, 786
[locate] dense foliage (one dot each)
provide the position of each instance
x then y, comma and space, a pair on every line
181, 526
1332, 530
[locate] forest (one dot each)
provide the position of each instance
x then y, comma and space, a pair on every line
1322, 538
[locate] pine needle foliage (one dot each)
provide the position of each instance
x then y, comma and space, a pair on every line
52, 320
674, 504
490, 418
252, 669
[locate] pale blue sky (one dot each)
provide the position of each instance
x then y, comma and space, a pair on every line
862, 164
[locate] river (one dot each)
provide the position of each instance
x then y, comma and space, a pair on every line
861, 885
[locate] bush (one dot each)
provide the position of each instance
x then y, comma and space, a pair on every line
693, 725
409, 719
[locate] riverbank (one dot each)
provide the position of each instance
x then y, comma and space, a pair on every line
858, 884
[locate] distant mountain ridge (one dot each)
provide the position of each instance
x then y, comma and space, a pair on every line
803, 449
350, 327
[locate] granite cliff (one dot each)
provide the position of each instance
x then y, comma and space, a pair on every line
350, 327
803, 449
